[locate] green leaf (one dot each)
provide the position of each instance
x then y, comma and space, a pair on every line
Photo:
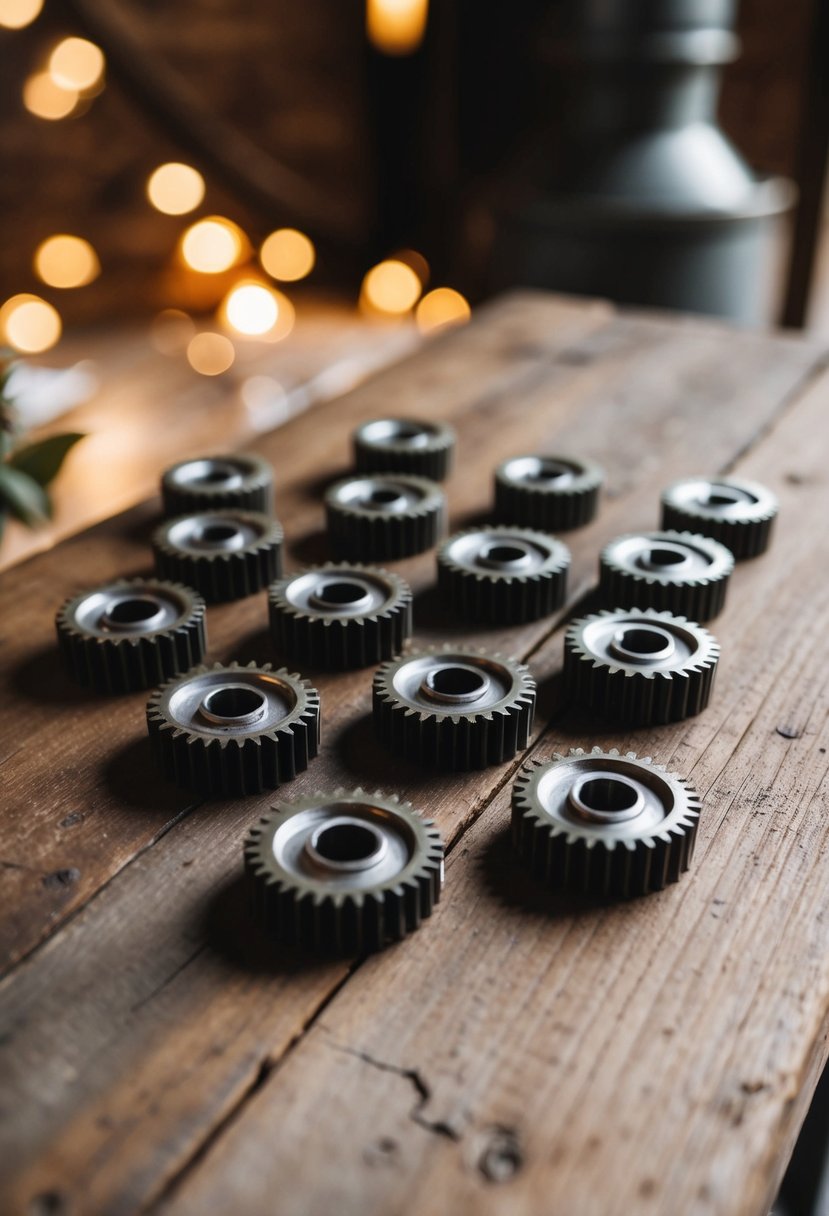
41, 461
22, 497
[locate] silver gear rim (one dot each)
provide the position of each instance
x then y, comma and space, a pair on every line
385, 515
345, 872
604, 824
679, 572
131, 633
737, 512
320, 617
232, 729
503, 575
225, 555
454, 708
553, 493
640, 667
405, 445
223, 482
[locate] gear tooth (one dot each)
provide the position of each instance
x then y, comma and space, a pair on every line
194, 549
365, 532
262, 754
607, 858
424, 449
218, 483
124, 656
348, 920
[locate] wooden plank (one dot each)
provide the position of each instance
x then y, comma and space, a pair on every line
538, 1054
169, 1032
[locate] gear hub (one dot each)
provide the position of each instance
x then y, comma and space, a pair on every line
551, 493
218, 483
226, 555
738, 513
384, 516
677, 572
503, 576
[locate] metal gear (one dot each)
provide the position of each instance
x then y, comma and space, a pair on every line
502, 575
226, 555
640, 667
738, 513
131, 633
340, 617
218, 483
404, 445
604, 824
678, 572
454, 709
551, 493
345, 872
385, 515
232, 730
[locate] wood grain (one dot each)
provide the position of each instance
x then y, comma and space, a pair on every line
518, 1050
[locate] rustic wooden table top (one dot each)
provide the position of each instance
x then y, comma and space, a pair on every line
520, 1054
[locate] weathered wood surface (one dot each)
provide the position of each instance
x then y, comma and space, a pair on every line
519, 1054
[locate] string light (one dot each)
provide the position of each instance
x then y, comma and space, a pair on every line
251, 309
212, 245
66, 261
210, 354
171, 330
396, 27
76, 63
175, 188
288, 255
29, 324
15, 14
46, 99
443, 306
391, 287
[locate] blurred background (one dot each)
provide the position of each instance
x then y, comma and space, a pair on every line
220, 211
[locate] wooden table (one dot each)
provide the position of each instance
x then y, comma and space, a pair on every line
520, 1054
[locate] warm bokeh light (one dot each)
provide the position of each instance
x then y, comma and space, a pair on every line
417, 262
15, 14
175, 188
29, 324
251, 309
171, 331
210, 354
287, 255
45, 99
66, 261
285, 320
396, 27
212, 245
443, 306
76, 63
391, 287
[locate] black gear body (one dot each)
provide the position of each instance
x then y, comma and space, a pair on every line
344, 872
340, 617
225, 555
502, 575
549, 493
404, 445
384, 516
454, 709
604, 824
677, 572
740, 514
236, 481
130, 634
207, 736
640, 667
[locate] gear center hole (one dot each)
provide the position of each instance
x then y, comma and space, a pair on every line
216, 475
505, 554
218, 533
135, 611
383, 496
346, 842
638, 640
460, 682
666, 557
234, 704
341, 593
606, 798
